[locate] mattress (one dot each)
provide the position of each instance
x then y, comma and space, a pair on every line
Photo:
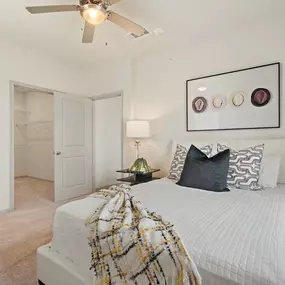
235, 237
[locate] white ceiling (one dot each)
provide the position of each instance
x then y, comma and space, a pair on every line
59, 34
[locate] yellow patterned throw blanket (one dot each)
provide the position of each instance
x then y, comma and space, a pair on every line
133, 246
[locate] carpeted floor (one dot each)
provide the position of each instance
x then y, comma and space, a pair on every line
24, 230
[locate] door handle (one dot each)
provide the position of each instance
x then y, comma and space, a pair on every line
57, 153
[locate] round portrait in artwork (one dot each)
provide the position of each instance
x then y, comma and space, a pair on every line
260, 97
199, 104
237, 99
219, 102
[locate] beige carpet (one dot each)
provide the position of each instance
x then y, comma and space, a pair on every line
24, 230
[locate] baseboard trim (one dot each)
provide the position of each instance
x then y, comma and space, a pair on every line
35, 178
5, 211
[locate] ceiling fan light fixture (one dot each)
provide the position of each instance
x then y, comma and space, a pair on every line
94, 14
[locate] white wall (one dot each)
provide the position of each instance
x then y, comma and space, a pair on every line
29, 67
40, 135
155, 84
159, 84
20, 135
109, 79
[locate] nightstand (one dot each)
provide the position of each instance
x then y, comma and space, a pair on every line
135, 177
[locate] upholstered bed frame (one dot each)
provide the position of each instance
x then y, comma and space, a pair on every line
52, 269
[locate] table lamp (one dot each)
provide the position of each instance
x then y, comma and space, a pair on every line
138, 130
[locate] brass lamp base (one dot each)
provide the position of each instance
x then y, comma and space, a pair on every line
140, 165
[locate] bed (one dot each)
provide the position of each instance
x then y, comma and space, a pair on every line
235, 237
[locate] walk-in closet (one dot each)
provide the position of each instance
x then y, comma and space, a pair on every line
33, 147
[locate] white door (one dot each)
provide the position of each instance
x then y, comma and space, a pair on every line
72, 146
108, 147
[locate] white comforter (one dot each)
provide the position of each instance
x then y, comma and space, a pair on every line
236, 237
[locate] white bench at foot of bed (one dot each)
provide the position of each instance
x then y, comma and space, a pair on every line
53, 269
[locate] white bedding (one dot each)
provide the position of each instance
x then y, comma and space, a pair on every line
235, 237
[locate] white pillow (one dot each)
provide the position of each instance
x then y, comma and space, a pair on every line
269, 171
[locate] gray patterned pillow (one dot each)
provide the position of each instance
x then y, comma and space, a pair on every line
244, 167
179, 158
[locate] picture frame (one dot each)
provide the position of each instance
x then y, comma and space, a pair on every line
243, 99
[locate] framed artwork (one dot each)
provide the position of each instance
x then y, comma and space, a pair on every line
236, 100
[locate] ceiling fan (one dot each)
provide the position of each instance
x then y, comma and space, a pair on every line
94, 12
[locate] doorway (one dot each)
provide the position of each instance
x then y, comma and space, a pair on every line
51, 146
33, 147
107, 139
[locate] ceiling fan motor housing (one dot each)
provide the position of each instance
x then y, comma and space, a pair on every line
84, 2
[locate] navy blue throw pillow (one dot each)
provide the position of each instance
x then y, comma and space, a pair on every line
203, 172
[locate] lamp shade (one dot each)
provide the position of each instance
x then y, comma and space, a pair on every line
138, 129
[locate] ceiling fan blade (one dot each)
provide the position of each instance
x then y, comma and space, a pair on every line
52, 9
111, 2
126, 24
88, 33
